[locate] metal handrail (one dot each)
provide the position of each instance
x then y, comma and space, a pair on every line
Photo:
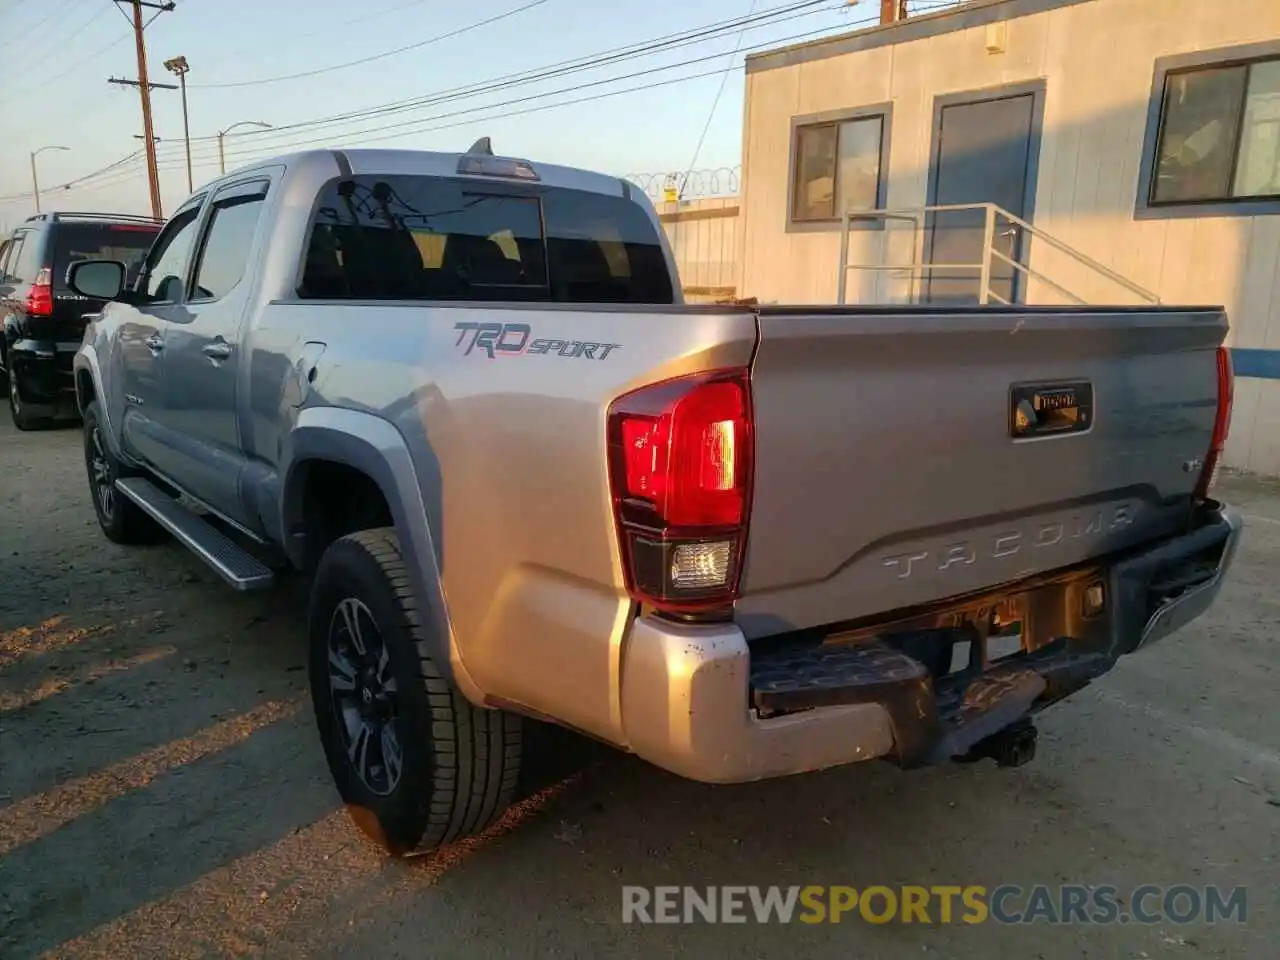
1039, 276
992, 213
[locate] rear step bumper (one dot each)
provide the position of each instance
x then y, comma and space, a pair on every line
696, 701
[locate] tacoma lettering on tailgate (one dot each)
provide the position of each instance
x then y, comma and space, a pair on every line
962, 553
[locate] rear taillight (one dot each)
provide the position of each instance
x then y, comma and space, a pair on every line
1221, 424
680, 468
39, 301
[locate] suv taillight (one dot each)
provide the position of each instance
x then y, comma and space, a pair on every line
1221, 423
680, 471
39, 301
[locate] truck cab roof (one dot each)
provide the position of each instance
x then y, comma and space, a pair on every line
437, 164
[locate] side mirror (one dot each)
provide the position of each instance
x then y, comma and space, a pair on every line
97, 279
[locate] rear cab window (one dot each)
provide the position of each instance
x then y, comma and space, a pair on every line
432, 238
74, 242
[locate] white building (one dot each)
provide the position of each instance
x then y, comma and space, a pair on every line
1143, 133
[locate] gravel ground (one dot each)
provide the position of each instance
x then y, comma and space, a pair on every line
162, 792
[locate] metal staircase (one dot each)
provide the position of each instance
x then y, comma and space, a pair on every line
993, 266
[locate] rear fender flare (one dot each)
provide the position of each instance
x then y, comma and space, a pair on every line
373, 446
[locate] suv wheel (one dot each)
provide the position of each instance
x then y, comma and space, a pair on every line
22, 418
415, 762
122, 520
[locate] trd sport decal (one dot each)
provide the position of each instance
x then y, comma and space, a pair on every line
516, 340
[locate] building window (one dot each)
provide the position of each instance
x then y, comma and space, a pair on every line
1218, 136
837, 165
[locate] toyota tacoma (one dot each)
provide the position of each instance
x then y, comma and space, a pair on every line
461, 394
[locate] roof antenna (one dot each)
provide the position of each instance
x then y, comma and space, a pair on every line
482, 146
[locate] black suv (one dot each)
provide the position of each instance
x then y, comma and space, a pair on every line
41, 320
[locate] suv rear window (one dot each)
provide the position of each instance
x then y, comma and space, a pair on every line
73, 242
428, 238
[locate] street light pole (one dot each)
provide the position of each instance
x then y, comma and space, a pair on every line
222, 163
179, 66
35, 182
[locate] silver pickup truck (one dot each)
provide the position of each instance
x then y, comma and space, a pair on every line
462, 395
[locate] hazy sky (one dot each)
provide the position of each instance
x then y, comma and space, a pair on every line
68, 49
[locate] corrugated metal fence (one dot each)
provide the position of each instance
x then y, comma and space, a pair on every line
699, 211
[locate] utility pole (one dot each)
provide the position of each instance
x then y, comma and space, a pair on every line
144, 90
179, 66
891, 11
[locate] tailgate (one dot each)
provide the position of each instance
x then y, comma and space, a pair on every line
887, 473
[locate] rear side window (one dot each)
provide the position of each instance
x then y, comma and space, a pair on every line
74, 242
227, 245
24, 261
428, 238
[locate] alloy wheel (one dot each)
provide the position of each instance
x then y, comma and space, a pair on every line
364, 696
104, 485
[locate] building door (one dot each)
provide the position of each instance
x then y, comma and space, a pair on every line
984, 152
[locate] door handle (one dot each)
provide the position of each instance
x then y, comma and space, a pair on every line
218, 350
154, 342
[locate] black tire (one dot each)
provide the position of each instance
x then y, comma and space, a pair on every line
18, 410
122, 520
458, 763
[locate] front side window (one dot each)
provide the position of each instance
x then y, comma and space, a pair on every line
430, 238
167, 262
227, 245
1219, 134
836, 168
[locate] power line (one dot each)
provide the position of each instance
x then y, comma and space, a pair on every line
684, 38
525, 99
715, 103
80, 29
673, 41
80, 62
78, 181
13, 41
499, 116
294, 37
377, 56
124, 176
108, 176
562, 68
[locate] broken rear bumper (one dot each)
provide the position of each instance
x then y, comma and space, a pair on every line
697, 701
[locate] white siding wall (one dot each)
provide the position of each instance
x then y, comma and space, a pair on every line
1097, 60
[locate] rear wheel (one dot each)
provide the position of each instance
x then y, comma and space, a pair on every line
122, 520
19, 411
415, 762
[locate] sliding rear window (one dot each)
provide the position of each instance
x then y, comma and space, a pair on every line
428, 238
73, 242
